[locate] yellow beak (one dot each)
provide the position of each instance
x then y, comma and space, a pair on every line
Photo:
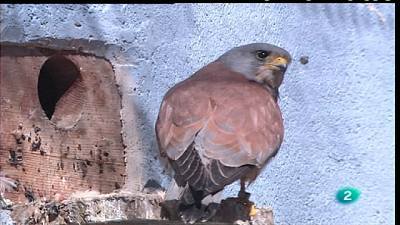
279, 62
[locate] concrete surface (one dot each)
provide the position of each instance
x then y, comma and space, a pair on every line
89, 207
338, 108
5, 217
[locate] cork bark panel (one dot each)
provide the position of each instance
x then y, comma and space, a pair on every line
59, 157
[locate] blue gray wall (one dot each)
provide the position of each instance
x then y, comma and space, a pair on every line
338, 109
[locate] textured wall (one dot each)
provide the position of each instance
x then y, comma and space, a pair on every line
338, 108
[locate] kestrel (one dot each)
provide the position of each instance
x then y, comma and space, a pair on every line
223, 123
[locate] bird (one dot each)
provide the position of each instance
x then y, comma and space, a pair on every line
223, 123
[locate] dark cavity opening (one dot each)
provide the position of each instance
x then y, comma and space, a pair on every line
56, 76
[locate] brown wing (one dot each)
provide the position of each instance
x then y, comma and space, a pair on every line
216, 126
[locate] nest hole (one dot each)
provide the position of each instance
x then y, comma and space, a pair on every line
61, 91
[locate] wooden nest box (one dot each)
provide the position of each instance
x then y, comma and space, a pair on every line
60, 127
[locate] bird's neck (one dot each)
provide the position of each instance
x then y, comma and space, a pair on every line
273, 91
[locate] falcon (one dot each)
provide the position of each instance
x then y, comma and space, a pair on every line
223, 123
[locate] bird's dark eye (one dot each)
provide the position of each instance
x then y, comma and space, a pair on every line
262, 54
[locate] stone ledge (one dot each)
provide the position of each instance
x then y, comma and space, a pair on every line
120, 208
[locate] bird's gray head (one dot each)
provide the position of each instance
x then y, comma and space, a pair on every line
260, 62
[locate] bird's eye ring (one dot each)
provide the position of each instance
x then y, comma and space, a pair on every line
262, 54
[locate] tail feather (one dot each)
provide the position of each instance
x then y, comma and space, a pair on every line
195, 179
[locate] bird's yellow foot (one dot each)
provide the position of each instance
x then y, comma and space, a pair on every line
253, 210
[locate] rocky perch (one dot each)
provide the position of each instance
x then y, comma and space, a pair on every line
131, 209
